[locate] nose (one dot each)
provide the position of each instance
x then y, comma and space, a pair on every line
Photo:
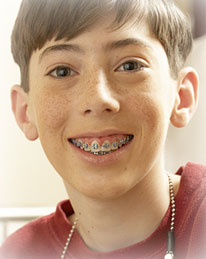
99, 96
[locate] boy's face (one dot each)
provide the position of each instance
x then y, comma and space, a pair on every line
104, 84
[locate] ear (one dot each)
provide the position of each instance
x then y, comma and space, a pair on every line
20, 104
186, 100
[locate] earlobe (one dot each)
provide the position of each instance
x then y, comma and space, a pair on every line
19, 101
186, 97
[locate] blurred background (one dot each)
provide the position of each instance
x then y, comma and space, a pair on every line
29, 186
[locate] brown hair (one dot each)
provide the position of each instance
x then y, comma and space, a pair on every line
39, 21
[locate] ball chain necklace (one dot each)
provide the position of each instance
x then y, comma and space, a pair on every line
170, 234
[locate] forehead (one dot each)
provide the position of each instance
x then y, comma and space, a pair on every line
100, 37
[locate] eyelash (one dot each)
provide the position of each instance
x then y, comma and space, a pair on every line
138, 66
61, 67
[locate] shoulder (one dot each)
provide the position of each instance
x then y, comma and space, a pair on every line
24, 238
196, 178
41, 238
191, 197
190, 213
193, 167
193, 176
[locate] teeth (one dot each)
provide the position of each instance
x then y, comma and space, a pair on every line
95, 146
79, 144
120, 143
128, 138
106, 147
87, 147
115, 145
73, 141
123, 141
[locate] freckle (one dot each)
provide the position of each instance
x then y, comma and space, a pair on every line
125, 168
80, 213
88, 232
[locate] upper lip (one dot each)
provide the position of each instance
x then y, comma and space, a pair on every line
98, 134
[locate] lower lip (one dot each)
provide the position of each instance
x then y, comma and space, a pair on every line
102, 160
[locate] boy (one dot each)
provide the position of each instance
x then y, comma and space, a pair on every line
100, 83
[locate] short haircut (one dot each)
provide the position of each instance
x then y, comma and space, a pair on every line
39, 21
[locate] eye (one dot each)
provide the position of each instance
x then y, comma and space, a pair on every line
131, 65
61, 72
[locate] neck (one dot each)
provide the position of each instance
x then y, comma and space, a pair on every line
113, 224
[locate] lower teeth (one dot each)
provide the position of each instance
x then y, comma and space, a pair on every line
101, 153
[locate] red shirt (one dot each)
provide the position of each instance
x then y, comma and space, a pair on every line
45, 237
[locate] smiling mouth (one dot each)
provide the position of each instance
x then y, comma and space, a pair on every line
100, 149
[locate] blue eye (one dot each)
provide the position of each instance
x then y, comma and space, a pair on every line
131, 66
61, 72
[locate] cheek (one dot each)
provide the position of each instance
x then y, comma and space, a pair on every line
53, 110
147, 110
150, 122
153, 113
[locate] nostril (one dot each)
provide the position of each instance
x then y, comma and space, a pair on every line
87, 111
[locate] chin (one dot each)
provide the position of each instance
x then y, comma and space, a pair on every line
102, 189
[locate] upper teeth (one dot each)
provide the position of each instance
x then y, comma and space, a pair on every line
104, 148
95, 147
86, 147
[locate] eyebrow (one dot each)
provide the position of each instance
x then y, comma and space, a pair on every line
108, 47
